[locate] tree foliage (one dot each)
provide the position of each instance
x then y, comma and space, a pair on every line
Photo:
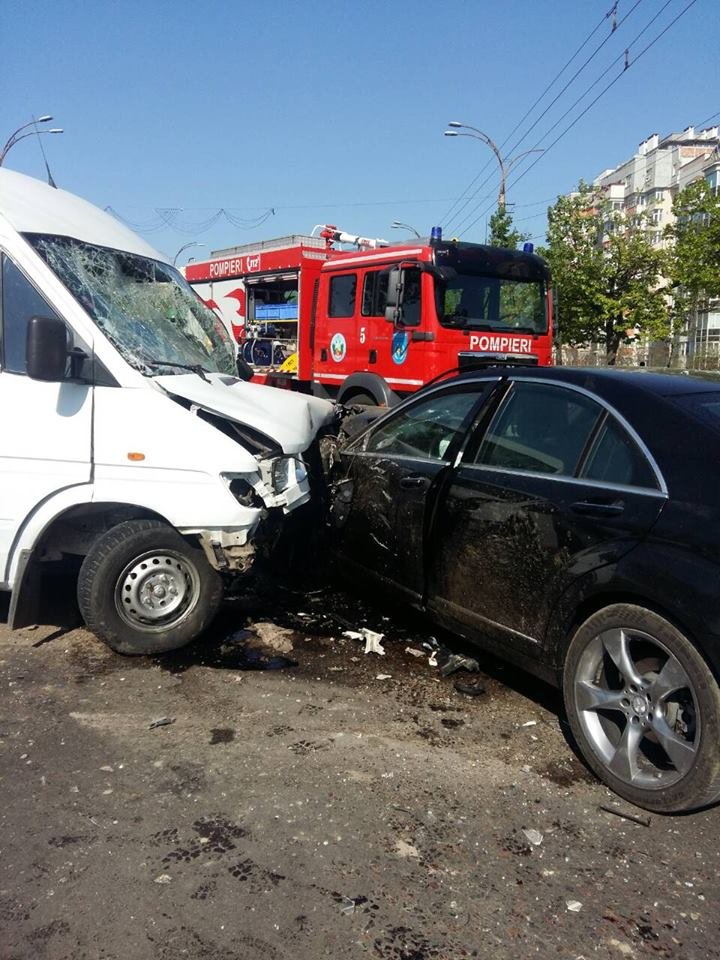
606, 274
694, 266
502, 232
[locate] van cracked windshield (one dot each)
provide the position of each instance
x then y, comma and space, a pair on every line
145, 307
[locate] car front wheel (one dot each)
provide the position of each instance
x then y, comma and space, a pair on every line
644, 708
143, 589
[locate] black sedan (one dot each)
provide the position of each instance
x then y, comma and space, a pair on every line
568, 520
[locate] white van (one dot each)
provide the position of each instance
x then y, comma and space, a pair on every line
127, 438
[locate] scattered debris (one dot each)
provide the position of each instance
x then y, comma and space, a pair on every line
372, 639
414, 652
245, 656
161, 722
534, 836
163, 878
574, 906
384, 676
274, 637
626, 815
405, 849
530, 723
471, 688
455, 662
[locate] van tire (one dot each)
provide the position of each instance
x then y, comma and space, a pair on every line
143, 589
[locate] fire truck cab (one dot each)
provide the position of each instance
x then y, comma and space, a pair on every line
372, 325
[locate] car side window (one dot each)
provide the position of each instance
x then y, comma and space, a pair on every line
342, 295
20, 302
616, 458
540, 428
427, 429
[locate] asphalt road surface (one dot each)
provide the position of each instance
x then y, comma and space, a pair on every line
318, 810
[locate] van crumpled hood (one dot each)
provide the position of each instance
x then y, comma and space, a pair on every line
290, 419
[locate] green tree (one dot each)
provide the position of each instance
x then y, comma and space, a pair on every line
606, 274
694, 262
502, 232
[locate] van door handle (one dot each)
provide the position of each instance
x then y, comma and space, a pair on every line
595, 508
412, 481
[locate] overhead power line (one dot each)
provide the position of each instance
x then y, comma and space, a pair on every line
465, 195
622, 57
628, 63
707, 120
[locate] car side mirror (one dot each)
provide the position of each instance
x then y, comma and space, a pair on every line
46, 349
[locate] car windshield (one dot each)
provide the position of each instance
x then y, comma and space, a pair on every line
475, 302
145, 307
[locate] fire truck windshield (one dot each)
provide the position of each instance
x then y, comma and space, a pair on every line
145, 307
471, 301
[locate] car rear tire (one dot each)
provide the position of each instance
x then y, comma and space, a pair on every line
143, 589
644, 708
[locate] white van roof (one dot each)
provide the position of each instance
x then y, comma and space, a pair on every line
31, 206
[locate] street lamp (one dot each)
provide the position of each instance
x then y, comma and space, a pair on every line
19, 135
397, 225
504, 163
186, 246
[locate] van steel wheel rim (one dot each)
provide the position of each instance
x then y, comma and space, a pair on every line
157, 591
637, 708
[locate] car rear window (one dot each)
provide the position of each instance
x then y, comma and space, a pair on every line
704, 406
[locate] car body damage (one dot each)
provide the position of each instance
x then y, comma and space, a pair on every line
543, 516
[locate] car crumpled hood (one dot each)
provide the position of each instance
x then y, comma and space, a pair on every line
290, 419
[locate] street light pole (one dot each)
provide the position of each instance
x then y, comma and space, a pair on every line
186, 246
18, 134
504, 164
397, 225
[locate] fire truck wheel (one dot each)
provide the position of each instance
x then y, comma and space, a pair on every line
144, 589
361, 399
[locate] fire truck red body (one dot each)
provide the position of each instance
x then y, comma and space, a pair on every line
375, 323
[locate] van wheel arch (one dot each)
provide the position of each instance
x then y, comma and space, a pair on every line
72, 532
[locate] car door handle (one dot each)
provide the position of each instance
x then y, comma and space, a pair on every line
597, 508
408, 483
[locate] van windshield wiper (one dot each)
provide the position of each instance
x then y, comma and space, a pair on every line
192, 367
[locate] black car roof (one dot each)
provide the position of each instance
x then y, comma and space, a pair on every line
605, 381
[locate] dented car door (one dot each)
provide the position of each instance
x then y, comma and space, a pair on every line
382, 508
556, 487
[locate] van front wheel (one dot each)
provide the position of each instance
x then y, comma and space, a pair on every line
143, 589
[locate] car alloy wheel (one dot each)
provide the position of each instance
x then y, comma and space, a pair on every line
637, 708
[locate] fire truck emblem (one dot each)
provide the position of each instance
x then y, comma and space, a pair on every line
399, 346
338, 348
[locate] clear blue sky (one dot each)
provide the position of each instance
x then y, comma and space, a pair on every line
334, 111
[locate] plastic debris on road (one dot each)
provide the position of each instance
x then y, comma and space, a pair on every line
373, 640
161, 722
534, 836
574, 906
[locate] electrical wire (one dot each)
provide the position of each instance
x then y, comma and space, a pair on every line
702, 123
597, 49
569, 127
623, 56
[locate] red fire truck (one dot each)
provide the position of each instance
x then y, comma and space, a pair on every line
374, 323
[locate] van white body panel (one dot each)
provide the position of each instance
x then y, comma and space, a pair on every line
140, 442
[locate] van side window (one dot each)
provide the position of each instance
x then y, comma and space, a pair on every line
342, 295
20, 302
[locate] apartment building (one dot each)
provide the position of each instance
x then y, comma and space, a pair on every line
647, 183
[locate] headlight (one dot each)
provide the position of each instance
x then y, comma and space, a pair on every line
287, 471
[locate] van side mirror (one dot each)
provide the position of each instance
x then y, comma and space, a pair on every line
393, 304
46, 349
